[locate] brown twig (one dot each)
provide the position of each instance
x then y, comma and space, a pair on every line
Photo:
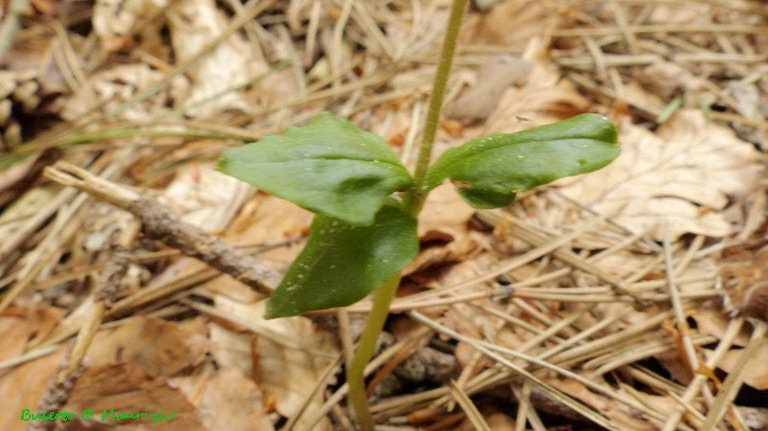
108, 282
159, 222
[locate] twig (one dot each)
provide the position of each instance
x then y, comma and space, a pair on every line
159, 222
58, 391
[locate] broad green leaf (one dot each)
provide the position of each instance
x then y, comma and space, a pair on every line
488, 171
328, 166
342, 263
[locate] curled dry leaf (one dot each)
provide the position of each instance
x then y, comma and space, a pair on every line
684, 174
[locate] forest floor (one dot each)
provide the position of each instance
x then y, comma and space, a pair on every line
631, 298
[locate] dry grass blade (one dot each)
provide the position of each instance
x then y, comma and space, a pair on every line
470, 409
566, 400
734, 380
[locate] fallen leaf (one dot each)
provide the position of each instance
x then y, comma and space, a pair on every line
204, 197
24, 322
663, 78
113, 20
684, 174
232, 402
159, 347
500, 422
128, 388
22, 387
445, 215
193, 25
232, 350
291, 356
755, 370
513, 22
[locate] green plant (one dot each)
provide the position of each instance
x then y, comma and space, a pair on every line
366, 203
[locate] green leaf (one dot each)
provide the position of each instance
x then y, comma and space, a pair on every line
342, 263
328, 166
488, 171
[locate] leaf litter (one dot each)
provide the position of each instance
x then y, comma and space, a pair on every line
147, 94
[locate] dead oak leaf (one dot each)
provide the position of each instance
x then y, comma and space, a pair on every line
684, 174
128, 388
159, 347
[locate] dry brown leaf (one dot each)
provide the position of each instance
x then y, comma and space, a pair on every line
193, 25
234, 403
514, 22
23, 322
443, 224
232, 350
714, 322
287, 373
205, 197
127, 388
756, 369
685, 174
500, 422
22, 386
445, 215
159, 347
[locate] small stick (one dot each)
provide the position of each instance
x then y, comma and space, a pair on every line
60, 387
159, 222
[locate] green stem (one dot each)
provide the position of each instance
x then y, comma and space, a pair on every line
413, 201
364, 352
